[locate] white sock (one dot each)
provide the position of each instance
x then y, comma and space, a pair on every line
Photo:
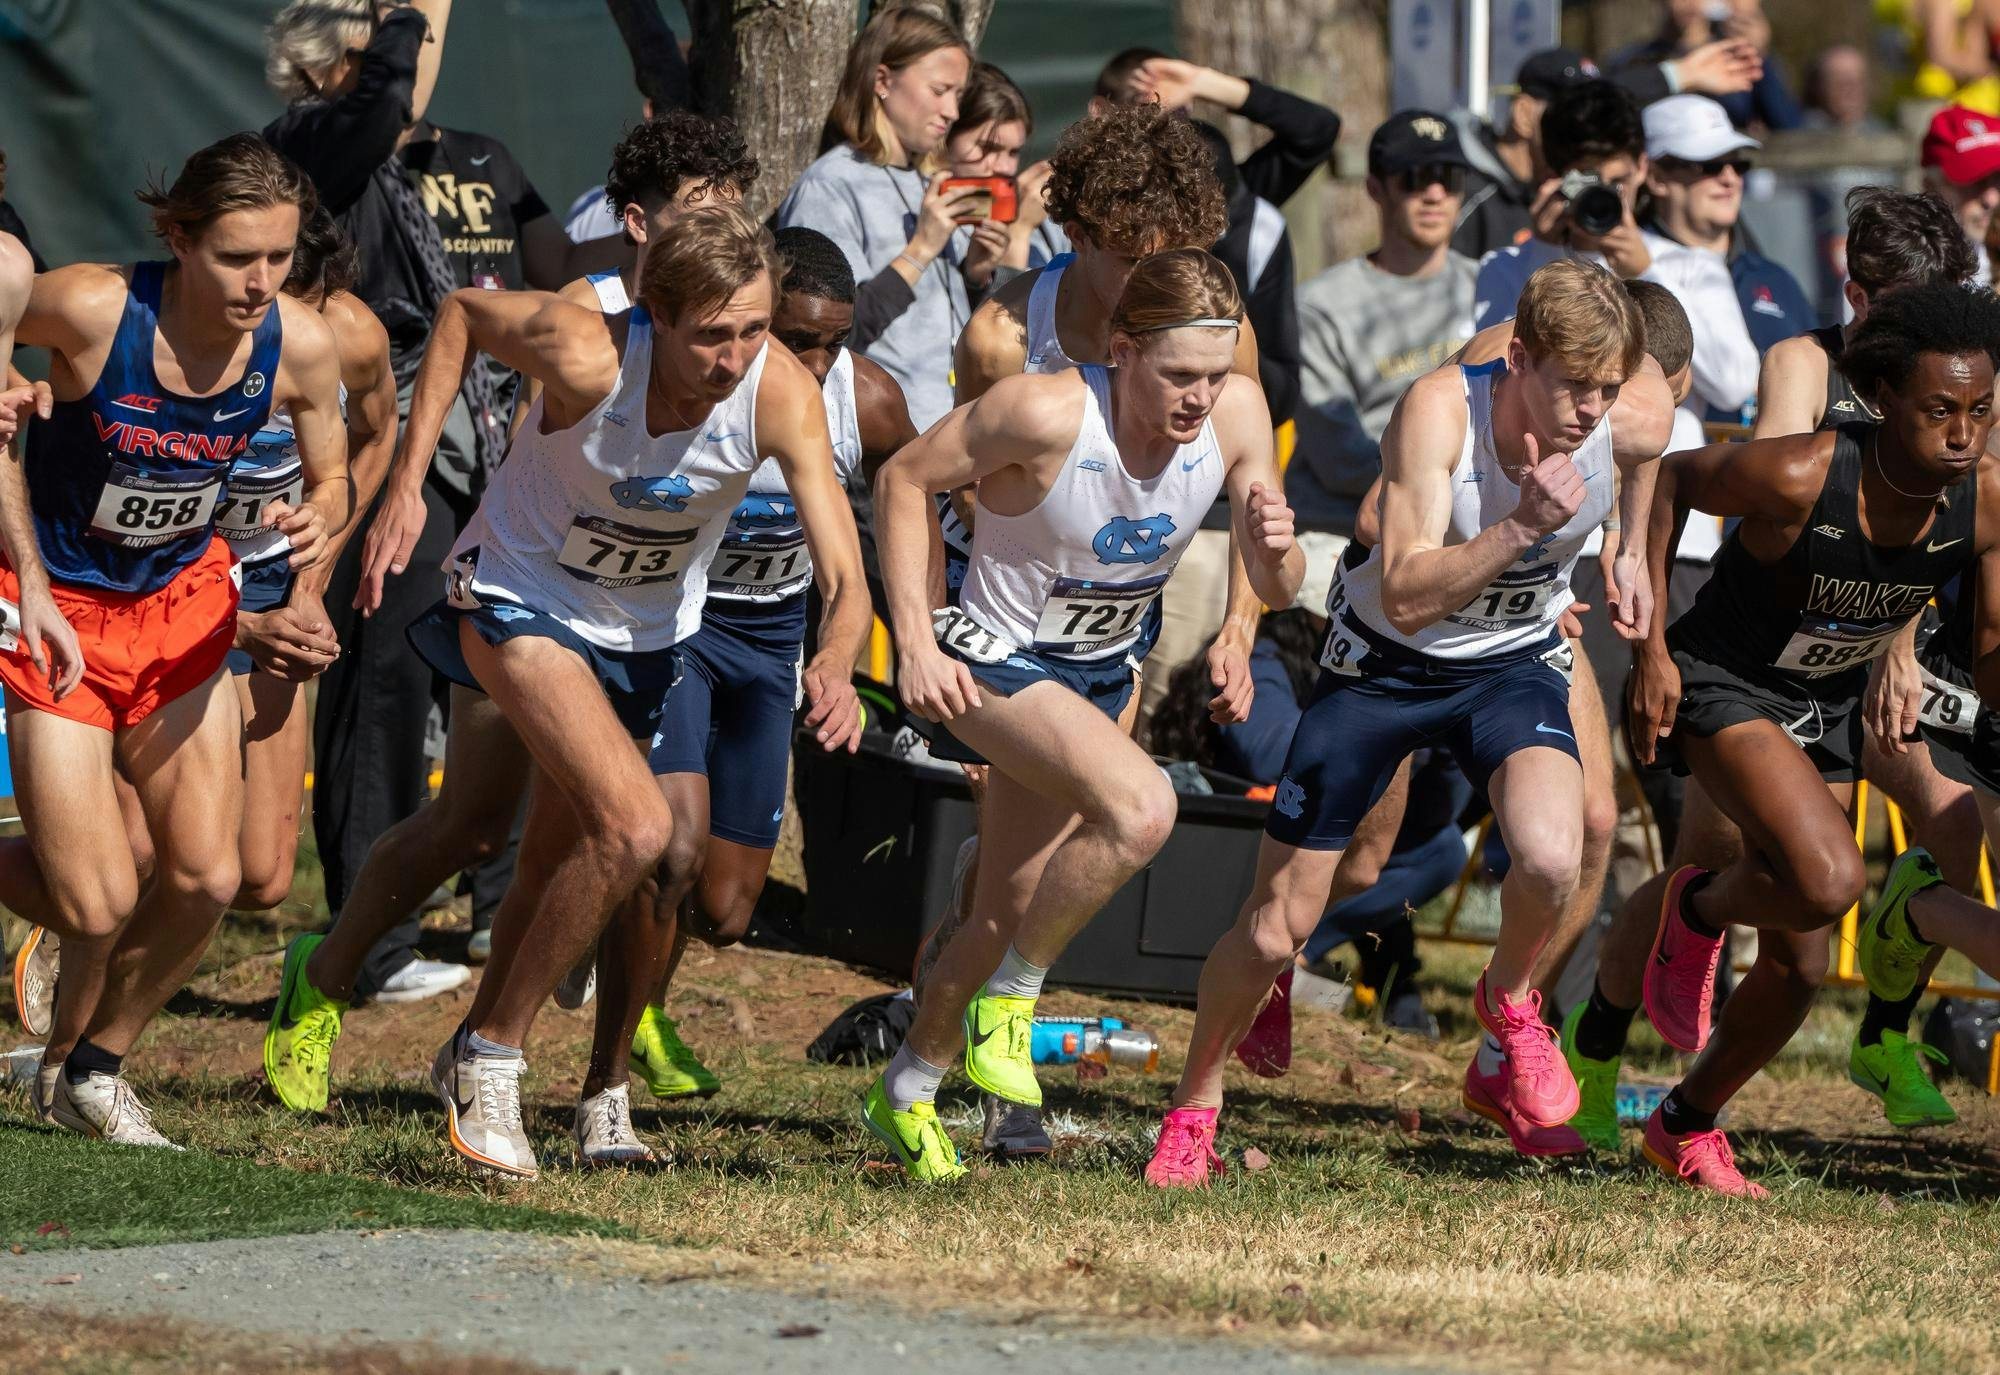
911, 1079
1015, 978
1490, 1057
475, 1044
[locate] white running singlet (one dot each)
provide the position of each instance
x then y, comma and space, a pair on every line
269, 470
1521, 606
1074, 576
607, 528
610, 287
763, 557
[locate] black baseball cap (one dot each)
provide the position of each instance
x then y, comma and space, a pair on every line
1413, 138
1550, 72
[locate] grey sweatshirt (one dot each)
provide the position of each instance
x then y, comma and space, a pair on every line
871, 212
1364, 336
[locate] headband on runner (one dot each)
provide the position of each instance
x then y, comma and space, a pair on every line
1209, 323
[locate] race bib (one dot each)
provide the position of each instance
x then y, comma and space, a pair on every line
614, 555
1344, 651
1947, 706
1820, 646
242, 511
747, 567
1512, 599
138, 510
957, 631
1082, 617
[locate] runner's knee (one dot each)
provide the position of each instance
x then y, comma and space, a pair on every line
1828, 883
1600, 821
1547, 854
265, 884
633, 838
214, 881
1278, 929
101, 905
1141, 821
685, 858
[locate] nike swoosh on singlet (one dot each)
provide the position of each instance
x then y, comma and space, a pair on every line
221, 416
480, 162
1200, 459
1933, 548
713, 438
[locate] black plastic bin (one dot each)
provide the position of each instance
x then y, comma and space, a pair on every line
881, 835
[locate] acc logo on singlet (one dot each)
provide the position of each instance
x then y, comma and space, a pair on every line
760, 512
668, 493
1124, 540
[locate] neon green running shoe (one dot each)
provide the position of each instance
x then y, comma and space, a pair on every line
1894, 1072
298, 1045
1596, 1119
1891, 955
916, 1136
660, 1058
998, 1058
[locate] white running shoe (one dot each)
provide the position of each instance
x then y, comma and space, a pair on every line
604, 1132
482, 1104
579, 986
480, 948
35, 965
421, 979
104, 1106
45, 1091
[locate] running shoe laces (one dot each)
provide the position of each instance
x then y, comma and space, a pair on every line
1705, 1152
1690, 979
500, 1090
614, 1119
1906, 1072
127, 1109
313, 1051
1187, 1147
1531, 1044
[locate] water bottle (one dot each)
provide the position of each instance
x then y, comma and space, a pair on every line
1636, 1102
1123, 1046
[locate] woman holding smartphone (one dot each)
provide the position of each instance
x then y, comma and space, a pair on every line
1015, 232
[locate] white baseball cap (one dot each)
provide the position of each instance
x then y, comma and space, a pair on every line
1692, 128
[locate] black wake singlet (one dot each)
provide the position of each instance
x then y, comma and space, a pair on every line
1842, 404
1808, 625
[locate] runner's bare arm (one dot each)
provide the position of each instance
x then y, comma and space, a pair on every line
1986, 629
1642, 425
578, 293
371, 417
792, 428
1260, 520
1422, 579
51, 643
994, 342
73, 312
1025, 423
571, 349
1791, 388
1228, 658
308, 386
883, 418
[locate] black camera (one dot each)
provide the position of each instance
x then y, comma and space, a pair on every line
1594, 207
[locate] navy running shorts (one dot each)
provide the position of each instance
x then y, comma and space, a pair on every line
1106, 684
266, 585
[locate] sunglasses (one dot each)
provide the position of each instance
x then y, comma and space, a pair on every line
1415, 180
1712, 168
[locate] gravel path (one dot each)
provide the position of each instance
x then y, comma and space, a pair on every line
538, 1300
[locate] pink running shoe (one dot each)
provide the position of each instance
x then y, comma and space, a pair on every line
1703, 1159
1487, 1095
1540, 1087
1680, 978
1185, 1152
1266, 1049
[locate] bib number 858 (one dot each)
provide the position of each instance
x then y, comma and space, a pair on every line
157, 513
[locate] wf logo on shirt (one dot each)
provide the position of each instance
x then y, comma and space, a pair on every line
759, 511
1124, 540
668, 493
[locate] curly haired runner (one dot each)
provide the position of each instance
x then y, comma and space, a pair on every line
1845, 536
1123, 184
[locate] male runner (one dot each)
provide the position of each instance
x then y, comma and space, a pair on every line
1123, 184
1448, 633
568, 597
1089, 484
725, 738
162, 373
1845, 535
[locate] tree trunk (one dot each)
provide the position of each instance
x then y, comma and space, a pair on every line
773, 66
967, 16
1333, 51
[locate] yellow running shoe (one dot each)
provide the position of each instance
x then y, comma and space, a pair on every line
660, 1058
298, 1045
998, 1054
916, 1136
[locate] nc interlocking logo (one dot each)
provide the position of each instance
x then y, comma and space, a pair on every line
668, 493
761, 511
1124, 540
1291, 798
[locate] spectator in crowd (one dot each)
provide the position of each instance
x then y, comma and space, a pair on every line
1505, 163
993, 126
1697, 162
661, 73
1302, 131
431, 210
1689, 25
1949, 50
867, 192
1370, 326
1839, 93
1961, 160
1284, 665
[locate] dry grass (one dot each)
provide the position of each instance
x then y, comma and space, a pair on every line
1388, 1222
